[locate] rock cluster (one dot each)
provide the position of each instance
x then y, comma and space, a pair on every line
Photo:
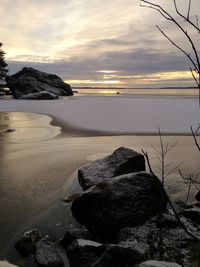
124, 220
30, 83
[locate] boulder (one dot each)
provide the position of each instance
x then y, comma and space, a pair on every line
76, 233
126, 200
121, 161
43, 95
85, 253
26, 245
167, 221
192, 214
46, 254
153, 263
31, 81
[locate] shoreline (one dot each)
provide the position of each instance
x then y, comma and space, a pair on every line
36, 171
115, 115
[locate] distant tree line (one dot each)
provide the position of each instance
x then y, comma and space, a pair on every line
3, 65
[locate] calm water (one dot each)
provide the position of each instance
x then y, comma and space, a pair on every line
189, 92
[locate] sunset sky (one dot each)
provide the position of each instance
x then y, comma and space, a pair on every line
95, 42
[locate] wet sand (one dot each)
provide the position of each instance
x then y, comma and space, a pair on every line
38, 164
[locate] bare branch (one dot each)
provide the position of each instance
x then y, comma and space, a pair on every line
194, 77
155, 6
195, 139
187, 55
189, 6
187, 18
148, 161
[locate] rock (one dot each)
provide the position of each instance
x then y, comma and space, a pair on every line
47, 255
85, 253
197, 196
43, 95
121, 161
153, 263
174, 241
9, 130
72, 234
31, 81
26, 245
71, 197
126, 200
166, 220
197, 204
193, 214
139, 234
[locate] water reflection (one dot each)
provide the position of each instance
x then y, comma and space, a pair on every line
26, 127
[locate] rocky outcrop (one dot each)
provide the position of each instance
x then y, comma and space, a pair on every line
31, 82
126, 200
121, 161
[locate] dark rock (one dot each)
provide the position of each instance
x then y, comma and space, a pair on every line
197, 196
140, 234
174, 245
72, 234
166, 220
9, 130
153, 263
197, 204
121, 161
47, 255
26, 245
126, 200
71, 197
124, 254
193, 214
85, 253
31, 81
43, 95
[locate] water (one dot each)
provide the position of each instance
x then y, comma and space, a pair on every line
165, 92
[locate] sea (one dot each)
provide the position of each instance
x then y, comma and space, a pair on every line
160, 92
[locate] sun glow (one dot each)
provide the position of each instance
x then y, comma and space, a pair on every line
93, 82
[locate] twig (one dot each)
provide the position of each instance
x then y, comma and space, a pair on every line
195, 139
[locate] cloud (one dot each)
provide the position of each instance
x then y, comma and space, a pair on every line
77, 38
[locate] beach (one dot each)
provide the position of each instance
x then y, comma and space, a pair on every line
52, 139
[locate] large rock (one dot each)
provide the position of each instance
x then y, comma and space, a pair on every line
40, 95
26, 245
121, 161
126, 200
47, 255
76, 233
85, 253
31, 81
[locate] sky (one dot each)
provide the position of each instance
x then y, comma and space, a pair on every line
96, 42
